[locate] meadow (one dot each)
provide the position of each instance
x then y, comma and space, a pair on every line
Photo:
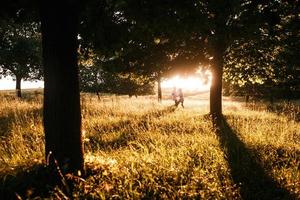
137, 148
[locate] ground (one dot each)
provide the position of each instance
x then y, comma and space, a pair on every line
136, 148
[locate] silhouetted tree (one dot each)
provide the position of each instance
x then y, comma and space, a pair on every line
95, 79
62, 116
20, 51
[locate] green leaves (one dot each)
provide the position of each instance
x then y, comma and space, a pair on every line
20, 50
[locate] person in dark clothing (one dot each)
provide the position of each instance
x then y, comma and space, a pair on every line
180, 98
174, 96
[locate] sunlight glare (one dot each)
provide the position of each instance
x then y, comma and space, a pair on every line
191, 83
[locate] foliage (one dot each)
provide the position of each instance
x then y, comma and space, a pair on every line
20, 50
266, 60
100, 81
128, 83
97, 76
147, 41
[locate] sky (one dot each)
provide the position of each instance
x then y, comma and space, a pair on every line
190, 83
9, 84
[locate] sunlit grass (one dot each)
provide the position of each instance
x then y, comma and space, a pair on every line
138, 148
21, 133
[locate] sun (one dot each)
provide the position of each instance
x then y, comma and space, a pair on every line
191, 83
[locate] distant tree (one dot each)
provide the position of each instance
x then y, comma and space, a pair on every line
62, 115
90, 70
90, 79
129, 84
149, 59
96, 79
20, 51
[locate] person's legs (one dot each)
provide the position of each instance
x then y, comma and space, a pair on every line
176, 103
182, 103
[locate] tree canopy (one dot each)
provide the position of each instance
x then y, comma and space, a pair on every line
20, 51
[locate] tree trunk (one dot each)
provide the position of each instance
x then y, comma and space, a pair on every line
62, 115
216, 87
18, 86
98, 95
159, 93
271, 99
247, 99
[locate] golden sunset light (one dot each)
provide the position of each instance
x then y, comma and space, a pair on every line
191, 83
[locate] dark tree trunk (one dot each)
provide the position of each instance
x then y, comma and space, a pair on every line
18, 86
98, 95
159, 93
271, 96
247, 99
271, 99
62, 116
289, 92
216, 86
219, 43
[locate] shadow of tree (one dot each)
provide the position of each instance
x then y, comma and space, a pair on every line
26, 183
97, 143
5, 123
246, 172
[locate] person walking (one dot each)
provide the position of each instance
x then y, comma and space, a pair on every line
181, 98
174, 96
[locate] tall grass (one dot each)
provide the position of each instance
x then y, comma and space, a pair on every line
140, 149
21, 133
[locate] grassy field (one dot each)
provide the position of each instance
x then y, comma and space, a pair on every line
140, 149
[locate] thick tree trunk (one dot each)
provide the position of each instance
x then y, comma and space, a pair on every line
18, 86
216, 87
62, 116
159, 93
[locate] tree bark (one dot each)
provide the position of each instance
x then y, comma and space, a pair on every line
159, 93
216, 86
18, 86
62, 115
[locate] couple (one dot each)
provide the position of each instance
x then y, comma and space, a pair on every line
177, 97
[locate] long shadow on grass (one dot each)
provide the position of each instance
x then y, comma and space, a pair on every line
5, 125
246, 172
35, 181
142, 122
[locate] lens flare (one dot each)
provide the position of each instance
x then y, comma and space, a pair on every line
191, 83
